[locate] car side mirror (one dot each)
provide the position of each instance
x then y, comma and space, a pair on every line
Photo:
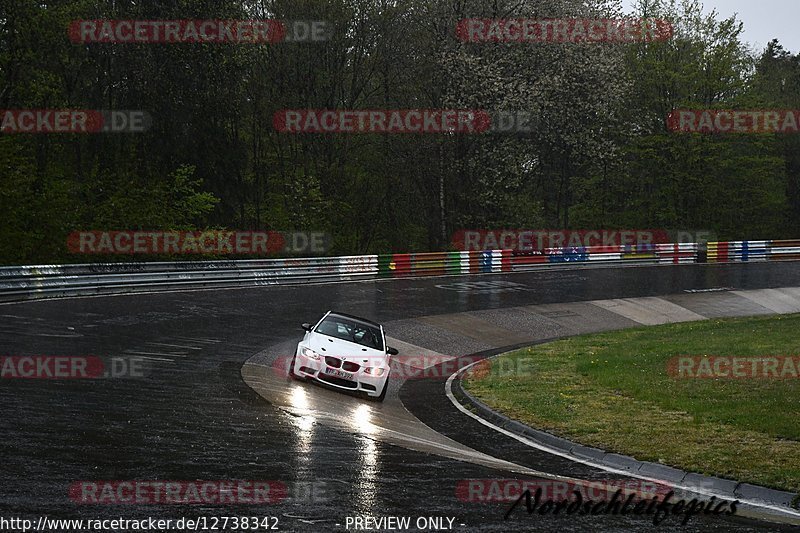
391, 351
306, 326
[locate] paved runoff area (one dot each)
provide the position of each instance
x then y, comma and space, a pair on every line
211, 403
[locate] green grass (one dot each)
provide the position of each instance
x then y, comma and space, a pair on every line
612, 391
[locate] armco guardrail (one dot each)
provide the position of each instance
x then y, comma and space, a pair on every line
753, 251
400, 265
29, 282
53, 281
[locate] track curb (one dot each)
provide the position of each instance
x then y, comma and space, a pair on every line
602, 458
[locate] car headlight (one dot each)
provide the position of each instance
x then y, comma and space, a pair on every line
311, 354
378, 372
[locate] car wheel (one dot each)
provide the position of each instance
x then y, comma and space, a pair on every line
383, 393
291, 370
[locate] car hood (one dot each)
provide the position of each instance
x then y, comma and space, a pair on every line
349, 351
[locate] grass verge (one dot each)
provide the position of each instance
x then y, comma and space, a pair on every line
613, 391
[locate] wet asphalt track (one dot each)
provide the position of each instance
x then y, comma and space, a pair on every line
193, 417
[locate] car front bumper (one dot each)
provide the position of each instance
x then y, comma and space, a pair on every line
358, 381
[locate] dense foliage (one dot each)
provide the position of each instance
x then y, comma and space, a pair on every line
600, 155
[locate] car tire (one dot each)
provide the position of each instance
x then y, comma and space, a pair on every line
292, 375
383, 393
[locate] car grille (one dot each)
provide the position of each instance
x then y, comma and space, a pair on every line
337, 381
350, 367
335, 362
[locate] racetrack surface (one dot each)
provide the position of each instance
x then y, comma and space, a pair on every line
194, 418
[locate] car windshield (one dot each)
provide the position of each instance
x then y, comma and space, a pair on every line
351, 330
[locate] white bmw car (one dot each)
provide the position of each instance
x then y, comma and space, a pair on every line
345, 352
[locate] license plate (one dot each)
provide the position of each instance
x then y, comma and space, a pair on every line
338, 373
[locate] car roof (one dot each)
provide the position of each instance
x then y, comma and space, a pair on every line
353, 317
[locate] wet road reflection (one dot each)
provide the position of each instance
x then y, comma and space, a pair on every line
390, 422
